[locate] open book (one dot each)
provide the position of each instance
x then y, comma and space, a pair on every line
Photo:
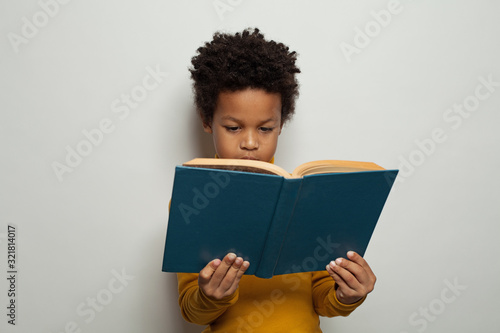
309, 168
279, 222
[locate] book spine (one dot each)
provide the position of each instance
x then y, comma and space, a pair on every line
279, 225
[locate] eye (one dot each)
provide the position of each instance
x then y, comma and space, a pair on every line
266, 129
231, 128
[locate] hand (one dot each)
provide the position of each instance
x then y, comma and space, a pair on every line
353, 277
221, 278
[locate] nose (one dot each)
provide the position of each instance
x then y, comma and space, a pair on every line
249, 141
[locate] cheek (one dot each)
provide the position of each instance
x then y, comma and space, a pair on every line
273, 139
225, 141
271, 143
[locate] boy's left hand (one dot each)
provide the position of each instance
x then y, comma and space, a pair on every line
353, 277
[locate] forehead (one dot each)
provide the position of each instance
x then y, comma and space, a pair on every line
248, 104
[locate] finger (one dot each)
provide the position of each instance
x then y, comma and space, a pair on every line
345, 291
221, 271
346, 275
337, 278
357, 271
355, 257
231, 274
364, 275
207, 271
239, 275
356, 277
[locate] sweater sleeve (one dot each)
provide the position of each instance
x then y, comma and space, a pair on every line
325, 298
195, 306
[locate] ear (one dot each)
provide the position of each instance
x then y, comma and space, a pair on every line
281, 127
207, 127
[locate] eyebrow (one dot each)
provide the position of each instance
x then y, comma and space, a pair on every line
237, 120
229, 118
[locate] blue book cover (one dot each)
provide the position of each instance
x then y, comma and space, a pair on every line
280, 225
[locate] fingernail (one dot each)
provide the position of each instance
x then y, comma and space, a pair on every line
338, 261
350, 253
332, 264
231, 256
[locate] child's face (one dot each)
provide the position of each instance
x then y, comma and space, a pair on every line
246, 124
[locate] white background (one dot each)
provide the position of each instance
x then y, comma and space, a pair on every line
109, 214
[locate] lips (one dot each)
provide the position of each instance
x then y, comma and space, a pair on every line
250, 158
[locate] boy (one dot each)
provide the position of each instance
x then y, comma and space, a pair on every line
245, 90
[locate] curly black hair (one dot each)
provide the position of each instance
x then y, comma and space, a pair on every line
240, 61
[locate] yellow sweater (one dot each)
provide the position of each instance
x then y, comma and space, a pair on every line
285, 303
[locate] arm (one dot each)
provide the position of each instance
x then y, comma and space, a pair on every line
204, 297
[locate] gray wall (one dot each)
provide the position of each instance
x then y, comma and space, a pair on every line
86, 173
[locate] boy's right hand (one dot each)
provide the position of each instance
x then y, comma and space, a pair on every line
221, 278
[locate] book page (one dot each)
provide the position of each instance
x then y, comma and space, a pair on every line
238, 165
333, 166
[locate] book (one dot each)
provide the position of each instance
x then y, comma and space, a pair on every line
281, 223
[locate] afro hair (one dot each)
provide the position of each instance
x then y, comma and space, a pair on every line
240, 61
